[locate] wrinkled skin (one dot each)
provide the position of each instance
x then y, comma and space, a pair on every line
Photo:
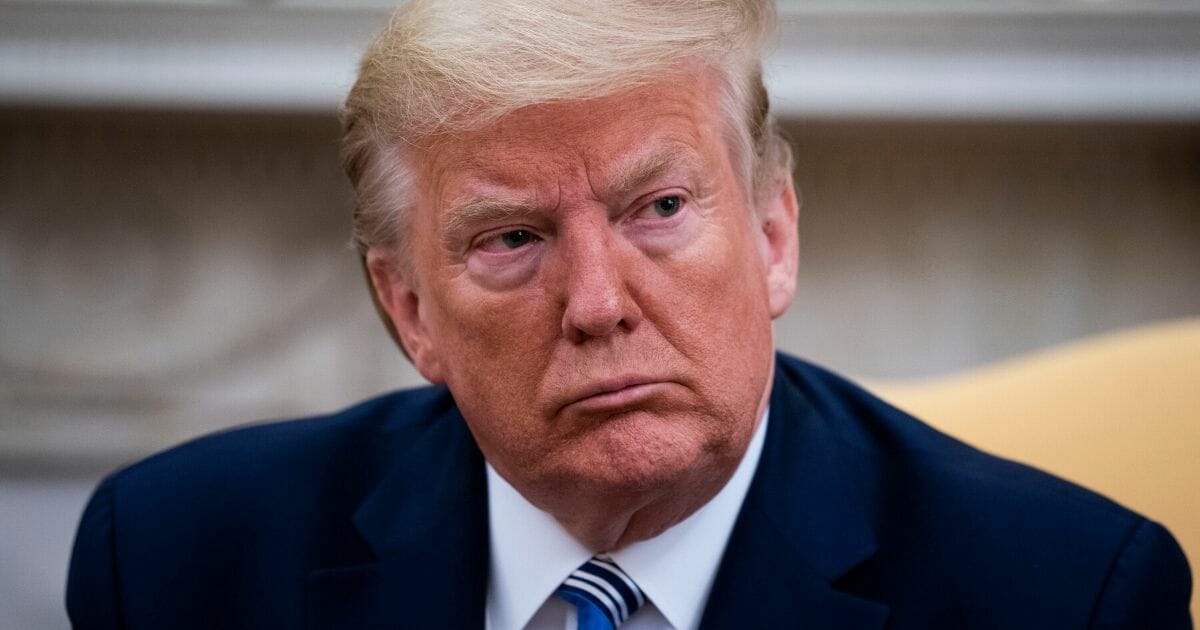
590, 281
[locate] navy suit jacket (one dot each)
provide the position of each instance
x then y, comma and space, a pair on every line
376, 517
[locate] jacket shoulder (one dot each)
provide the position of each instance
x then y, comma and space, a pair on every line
998, 538
877, 431
281, 449
221, 517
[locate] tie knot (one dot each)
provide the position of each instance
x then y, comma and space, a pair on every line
603, 594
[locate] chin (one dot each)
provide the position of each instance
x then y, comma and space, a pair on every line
642, 452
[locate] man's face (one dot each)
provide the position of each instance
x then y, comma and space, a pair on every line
593, 287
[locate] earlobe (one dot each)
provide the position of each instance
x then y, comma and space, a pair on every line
781, 243
396, 296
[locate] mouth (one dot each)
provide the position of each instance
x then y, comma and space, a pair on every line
616, 394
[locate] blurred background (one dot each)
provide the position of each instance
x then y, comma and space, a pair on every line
981, 178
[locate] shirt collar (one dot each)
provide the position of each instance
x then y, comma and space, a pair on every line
531, 553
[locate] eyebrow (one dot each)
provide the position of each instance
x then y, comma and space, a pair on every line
643, 170
459, 218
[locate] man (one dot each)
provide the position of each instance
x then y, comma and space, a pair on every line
579, 221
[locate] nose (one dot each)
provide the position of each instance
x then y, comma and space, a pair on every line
598, 298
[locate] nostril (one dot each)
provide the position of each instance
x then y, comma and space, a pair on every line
594, 312
597, 297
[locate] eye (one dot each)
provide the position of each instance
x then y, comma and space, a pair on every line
667, 206
516, 238
507, 241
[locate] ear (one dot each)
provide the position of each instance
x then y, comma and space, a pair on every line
396, 296
778, 213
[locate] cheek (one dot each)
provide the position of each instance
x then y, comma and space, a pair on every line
718, 287
713, 307
496, 345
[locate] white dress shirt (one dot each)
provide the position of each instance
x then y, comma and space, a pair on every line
531, 555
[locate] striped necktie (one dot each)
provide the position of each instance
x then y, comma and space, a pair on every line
602, 593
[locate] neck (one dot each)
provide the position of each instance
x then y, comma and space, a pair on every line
603, 522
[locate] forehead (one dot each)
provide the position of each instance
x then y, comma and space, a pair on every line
543, 146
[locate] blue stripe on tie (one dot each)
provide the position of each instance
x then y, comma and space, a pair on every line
589, 613
604, 596
613, 580
605, 562
590, 583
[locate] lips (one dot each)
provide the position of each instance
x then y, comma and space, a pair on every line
614, 394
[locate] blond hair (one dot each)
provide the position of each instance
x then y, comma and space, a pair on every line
447, 65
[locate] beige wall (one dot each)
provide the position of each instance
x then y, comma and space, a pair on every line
928, 248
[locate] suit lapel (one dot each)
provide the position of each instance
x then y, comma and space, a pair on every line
427, 524
804, 525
